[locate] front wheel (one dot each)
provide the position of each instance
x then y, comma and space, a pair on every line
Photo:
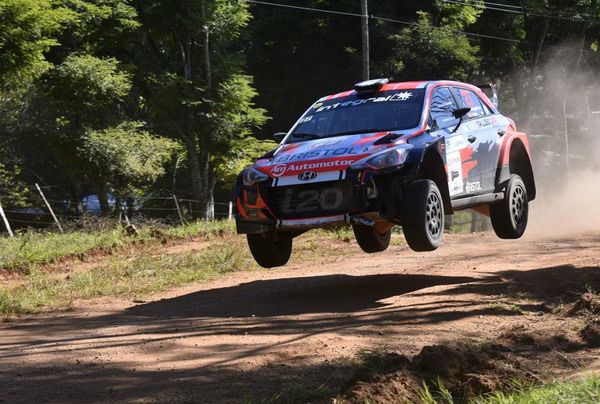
271, 249
423, 216
370, 240
509, 216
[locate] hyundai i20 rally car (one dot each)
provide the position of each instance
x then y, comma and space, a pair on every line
387, 154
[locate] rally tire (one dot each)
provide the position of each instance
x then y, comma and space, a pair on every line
423, 216
272, 249
509, 216
370, 240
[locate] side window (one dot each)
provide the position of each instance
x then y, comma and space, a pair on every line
487, 109
442, 105
468, 99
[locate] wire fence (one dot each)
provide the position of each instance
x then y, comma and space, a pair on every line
37, 211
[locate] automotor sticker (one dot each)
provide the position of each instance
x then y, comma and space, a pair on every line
278, 170
334, 164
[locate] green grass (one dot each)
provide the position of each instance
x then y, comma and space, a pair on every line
208, 230
585, 391
132, 277
135, 267
575, 392
28, 250
504, 307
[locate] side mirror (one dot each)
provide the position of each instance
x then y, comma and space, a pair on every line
460, 112
279, 136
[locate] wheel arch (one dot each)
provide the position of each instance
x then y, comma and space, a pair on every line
432, 168
517, 161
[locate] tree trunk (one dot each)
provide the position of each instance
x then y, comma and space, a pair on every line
195, 173
517, 84
530, 92
366, 68
103, 200
207, 62
566, 95
206, 204
474, 222
198, 141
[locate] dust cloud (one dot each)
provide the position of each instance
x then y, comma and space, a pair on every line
563, 124
569, 209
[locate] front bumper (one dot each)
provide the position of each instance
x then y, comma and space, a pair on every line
367, 197
249, 227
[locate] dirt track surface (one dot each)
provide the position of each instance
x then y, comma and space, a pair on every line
254, 335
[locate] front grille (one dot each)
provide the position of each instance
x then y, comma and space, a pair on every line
310, 200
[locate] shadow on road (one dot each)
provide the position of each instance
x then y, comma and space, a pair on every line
560, 284
292, 309
294, 296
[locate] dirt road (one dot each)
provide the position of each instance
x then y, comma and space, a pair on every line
285, 332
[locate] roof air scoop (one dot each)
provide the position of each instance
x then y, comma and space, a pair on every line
370, 85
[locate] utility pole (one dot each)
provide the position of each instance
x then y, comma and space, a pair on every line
365, 40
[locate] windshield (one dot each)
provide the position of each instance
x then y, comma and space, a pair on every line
384, 111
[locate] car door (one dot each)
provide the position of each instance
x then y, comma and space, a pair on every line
482, 133
456, 147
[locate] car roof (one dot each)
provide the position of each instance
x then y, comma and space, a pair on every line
405, 85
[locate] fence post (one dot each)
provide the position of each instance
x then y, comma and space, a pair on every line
230, 214
130, 228
124, 213
49, 207
178, 209
6, 224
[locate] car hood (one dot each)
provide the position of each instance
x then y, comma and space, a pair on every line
333, 154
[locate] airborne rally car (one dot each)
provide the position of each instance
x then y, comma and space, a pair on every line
387, 154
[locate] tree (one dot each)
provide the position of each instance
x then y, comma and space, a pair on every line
241, 154
27, 29
194, 86
90, 133
125, 158
12, 191
426, 51
297, 57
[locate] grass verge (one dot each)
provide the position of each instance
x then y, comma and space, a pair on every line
26, 251
142, 274
585, 391
135, 272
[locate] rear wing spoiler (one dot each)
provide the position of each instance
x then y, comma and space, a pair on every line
490, 86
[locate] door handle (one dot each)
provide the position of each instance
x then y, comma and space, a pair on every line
472, 138
501, 132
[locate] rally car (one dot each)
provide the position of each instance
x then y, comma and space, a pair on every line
387, 154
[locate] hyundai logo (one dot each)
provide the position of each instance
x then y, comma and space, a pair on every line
307, 176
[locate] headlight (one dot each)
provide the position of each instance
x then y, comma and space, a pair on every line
390, 158
253, 176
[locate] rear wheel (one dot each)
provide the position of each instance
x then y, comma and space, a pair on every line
509, 216
271, 249
370, 239
423, 216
